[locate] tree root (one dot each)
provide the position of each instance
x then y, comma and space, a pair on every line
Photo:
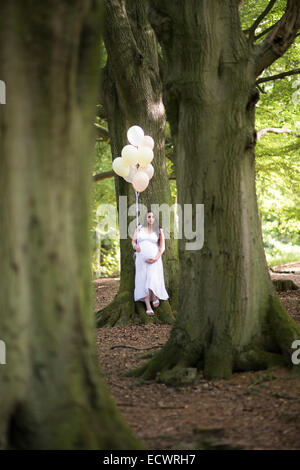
124, 311
176, 364
166, 366
218, 359
255, 358
178, 376
284, 330
118, 312
283, 285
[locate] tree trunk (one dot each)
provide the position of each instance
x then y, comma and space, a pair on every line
284, 285
52, 393
132, 92
230, 317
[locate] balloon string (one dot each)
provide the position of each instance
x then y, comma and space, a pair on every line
137, 208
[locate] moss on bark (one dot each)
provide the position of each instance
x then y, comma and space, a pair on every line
52, 393
283, 330
177, 362
228, 309
218, 361
132, 91
284, 285
124, 311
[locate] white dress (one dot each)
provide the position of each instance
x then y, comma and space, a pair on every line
148, 275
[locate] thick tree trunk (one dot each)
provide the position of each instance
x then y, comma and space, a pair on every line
133, 95
52, 394
230, 317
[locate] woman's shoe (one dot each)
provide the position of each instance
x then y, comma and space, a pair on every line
150, 312
155, 303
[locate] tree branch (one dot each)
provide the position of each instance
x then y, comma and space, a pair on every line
137, 348
266, 31
259, 19
260, 89
274, 130
279, 39
103, 176
102, 132
110, 173
278, 76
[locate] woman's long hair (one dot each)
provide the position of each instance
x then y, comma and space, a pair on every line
156, 226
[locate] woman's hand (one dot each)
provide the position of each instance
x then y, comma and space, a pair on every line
136, 247
151, 260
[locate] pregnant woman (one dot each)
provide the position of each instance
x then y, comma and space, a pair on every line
149, 243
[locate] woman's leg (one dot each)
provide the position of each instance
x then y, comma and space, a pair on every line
147, 302
153, 296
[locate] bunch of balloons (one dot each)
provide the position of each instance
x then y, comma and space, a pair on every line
135, 163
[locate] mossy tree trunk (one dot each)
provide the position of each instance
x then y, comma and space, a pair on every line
230, 317
52, 393
132, 91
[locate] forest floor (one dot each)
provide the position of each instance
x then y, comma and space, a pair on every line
252, 410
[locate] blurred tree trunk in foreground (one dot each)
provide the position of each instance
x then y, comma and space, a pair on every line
52, 394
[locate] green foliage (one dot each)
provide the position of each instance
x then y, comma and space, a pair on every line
277, 166
173, 186
169, 148
252, 9
110, 258
277, 156
106, 251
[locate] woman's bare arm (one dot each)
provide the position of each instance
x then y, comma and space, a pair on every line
133, 242
161, 244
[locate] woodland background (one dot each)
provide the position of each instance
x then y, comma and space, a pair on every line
277, 159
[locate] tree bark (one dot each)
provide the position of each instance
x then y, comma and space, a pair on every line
133, 95
52, 393
230, 317
284, 285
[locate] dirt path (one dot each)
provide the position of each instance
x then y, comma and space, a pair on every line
253, 410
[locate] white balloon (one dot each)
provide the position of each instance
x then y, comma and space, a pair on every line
149, 170
140, 181
135, 135
119, 167
132, 171
145, 156
130, 155
147, 142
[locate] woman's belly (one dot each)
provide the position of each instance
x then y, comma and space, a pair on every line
148, 250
